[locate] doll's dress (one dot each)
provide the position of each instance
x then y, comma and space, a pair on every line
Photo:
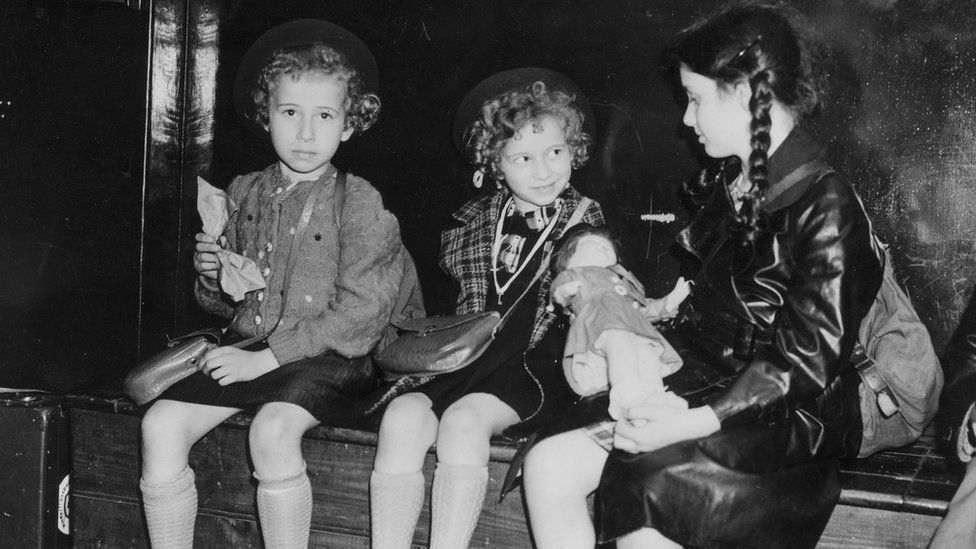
609, 298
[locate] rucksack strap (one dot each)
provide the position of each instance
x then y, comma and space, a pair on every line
338, 197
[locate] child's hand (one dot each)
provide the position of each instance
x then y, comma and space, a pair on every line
655, 426
227, 365
565, 292
205, 260
623, 398
681, 291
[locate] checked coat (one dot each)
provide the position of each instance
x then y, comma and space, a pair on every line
466, 252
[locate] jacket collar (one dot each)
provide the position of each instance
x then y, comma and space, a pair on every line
799, 156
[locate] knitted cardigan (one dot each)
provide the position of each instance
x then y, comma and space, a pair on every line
345, 282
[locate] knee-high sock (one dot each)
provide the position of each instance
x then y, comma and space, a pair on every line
456, 501
171, 510
285, 510
395, 501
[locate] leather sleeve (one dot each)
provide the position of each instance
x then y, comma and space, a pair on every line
959, 363
835, 274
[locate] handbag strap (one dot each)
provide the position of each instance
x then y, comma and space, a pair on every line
574, 219
338, 197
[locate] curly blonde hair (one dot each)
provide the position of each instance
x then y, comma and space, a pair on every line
504, 116
362, 109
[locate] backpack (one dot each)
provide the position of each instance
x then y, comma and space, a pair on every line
901, 375
894, 356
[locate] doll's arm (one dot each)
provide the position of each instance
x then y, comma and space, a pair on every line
667, 306
564, 293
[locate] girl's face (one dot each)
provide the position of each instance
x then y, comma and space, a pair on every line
592, 250
537, 163
719, 116
307, 121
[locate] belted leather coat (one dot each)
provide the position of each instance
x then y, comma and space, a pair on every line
766, 338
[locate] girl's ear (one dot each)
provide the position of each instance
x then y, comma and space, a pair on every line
347, 133
743, 94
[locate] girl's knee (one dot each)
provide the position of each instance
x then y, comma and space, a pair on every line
461, 419
409, 416
542, 458
273, 429
162, 426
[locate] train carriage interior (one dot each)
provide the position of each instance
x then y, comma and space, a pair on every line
111, 109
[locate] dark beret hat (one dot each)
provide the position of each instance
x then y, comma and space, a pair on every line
293, 34
516, 80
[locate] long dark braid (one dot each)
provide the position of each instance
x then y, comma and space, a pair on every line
760, 42
759, 104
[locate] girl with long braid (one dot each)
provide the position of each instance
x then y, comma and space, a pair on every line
786, 268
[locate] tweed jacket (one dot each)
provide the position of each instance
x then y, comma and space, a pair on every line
466, 252
345, 283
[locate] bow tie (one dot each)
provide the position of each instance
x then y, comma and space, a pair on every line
537, 220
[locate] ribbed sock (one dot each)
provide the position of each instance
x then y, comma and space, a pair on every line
456, 501
285, 510
171, 510
395, 502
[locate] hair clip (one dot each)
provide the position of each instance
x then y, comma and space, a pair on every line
743, 51
478, 178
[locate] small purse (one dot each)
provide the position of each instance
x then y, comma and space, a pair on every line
438, 344
444, 344
178, 360
182, 356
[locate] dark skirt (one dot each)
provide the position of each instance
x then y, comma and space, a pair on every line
328, 386
728, 490
744, 486
530, 381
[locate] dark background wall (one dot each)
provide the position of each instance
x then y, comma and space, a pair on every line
899, 121
72, 124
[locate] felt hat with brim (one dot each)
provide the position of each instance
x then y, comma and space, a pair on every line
294, 34
516, 80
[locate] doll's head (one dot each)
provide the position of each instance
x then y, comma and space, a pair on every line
734, 65
585, 245
527, 128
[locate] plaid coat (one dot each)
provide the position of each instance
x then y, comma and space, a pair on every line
466, 252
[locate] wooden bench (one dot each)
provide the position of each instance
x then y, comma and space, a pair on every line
892, 500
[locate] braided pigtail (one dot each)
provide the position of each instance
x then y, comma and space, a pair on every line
759, 104
764, 43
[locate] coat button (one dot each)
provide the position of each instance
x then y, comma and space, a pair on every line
266, 271
620, 289
308, 299
260, 254
258, 320
291, 231
269, 247
261, 296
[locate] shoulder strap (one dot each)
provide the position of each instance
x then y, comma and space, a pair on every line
339, 198
574, 219
578, 213
313, 197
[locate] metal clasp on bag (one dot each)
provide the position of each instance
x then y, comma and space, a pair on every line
872, 376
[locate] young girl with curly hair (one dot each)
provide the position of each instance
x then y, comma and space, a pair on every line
310, 84
526, 129
787, 268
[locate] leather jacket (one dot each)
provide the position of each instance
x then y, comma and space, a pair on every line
780, 314
959, 361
